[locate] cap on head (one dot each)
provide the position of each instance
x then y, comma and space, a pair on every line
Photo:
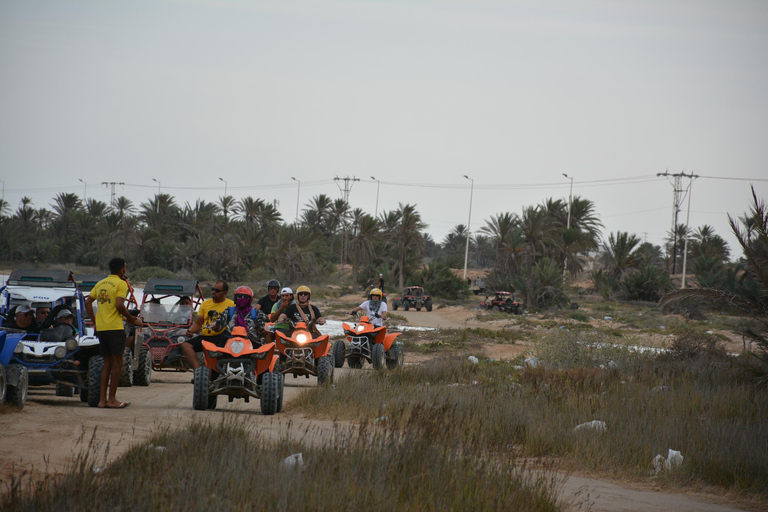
286, 290
24, 309
64, 313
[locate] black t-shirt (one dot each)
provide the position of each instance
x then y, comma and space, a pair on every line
266, 303
293, 313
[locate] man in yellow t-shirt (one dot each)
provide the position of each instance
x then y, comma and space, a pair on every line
110, 294
205, 323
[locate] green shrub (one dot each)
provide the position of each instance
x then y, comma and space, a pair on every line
140, 275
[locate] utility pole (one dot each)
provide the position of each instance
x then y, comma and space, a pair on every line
298, 192
111, 186
678, 195
347, 188
568, 223
469, 221
376, 209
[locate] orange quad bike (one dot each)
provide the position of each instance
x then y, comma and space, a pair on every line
239, 370
301, 354
366, 342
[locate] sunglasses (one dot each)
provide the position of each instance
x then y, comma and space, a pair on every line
216, 290
241, 295
303, 293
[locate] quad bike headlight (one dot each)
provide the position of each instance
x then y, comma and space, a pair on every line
301, 338
60, 352
71, 344
360, 328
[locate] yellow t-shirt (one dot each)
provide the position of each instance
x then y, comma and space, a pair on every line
210, 312
105, 294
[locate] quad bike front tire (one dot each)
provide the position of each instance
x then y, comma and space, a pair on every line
339, 351
378, 356
398, 357
428, 305
3, 384
200, 393
16, 395
281, 391
406, 305
126, 371
355, 362
324, 370
143, 374
270, 387
95, 366
64, 390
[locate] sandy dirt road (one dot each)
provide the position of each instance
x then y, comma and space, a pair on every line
49, 432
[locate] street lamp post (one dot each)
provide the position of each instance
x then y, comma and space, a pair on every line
568, 223
158, 185
225, 186
85, 189
376, 209
469, 221
298, 193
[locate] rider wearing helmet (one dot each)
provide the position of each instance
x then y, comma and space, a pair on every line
242, 314
266, 302
303, 311
374, 308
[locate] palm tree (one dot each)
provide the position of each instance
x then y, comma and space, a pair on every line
752, 234
227, 204
620, 254
363, 244
705, 242
506, 238
406, 240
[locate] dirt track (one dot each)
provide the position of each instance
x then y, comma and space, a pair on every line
47, 433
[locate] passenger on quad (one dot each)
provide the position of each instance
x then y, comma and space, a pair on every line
24, 319
286, 299
303, 311
374, 308
207, 323
270, 299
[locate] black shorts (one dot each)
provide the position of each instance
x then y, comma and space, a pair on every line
197, 341
111, 343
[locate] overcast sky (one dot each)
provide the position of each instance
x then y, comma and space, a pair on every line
415, 93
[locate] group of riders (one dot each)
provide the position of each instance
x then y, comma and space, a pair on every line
219, 315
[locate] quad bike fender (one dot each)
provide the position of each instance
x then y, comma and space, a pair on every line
323, 348
6, 347
389, 339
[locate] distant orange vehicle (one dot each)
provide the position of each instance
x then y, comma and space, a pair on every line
301, 354
238, 370
366, 342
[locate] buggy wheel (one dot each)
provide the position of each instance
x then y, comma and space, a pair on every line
377, 356
428, 305
200, 394
324, 369
395, 305
339, 351
126, 371
64, 390
270, 386
406, 305
95, 366
143, 374
16, 395
281, 391
3, 384
355, 362
396, 361
518, 310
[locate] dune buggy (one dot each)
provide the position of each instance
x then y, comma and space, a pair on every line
503, 301
62, 354
413, 297
158, 344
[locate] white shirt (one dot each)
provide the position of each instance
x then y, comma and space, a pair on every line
375, 320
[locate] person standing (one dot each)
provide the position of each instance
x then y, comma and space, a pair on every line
381, 282
270, 299
110, 294
207, 323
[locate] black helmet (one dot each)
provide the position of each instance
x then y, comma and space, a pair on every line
273, 283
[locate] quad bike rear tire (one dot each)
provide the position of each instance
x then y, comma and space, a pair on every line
95, 366
270, 387
200, 393
398, 357
355, 362
17, 395
126, 371
64, 390
378, 356
324, 370
428, 305
143, 374
339, 351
